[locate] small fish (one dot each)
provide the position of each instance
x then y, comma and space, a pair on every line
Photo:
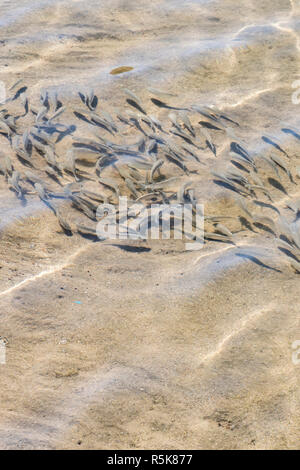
5, 128
283, 227
156, 122
56, 114
224, 230
41, 191
174, 120
221, 176
271, 164
70, 163
242, 158
155, 167
50, 157
264, 220
140, 164
186, 137
160, 94
51, 171
122, 171
111, 183
55, 101
218, 237
41, 114
16, 84
282, 165
287, 246
256, 178
62, 221
177, 161
295, 236
44, 98
241, 203
14, 182
108, 118
161, 184
30, 176
102, 122
8, 166
25, 103
253, 187
133, 96
216, 218
181, 192
86, 230
295, 264
206, 112
95, 196
187, 122
294, 205
26, 141
91, 100
236, 176
80, 204
149, 122
131, 187
207, 136
152, 147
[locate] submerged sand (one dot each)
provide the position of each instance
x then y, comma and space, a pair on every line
144, 345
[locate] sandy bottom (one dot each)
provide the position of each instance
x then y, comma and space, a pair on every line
143, 345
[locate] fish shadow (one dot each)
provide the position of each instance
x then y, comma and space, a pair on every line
276, 184
267, 206
208, 125
285, 239
177, 163
82, 117
245, 223
82, 97
226, 118
66, 232
133, 249
135, 105
239, 166
56, 179
212, 147
24, 161
20, 197
264, 227
211, 238
92, 147
225, 185
257, 261
288, 253
186, 138
290, 131
68, 131
237, 148
161, 104
59, 105
271, 142
49, 205
19, 92
93, 105
102, 126
92, 238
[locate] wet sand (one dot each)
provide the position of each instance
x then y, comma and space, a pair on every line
167, 348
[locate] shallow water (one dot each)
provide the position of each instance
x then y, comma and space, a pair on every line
116, 348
